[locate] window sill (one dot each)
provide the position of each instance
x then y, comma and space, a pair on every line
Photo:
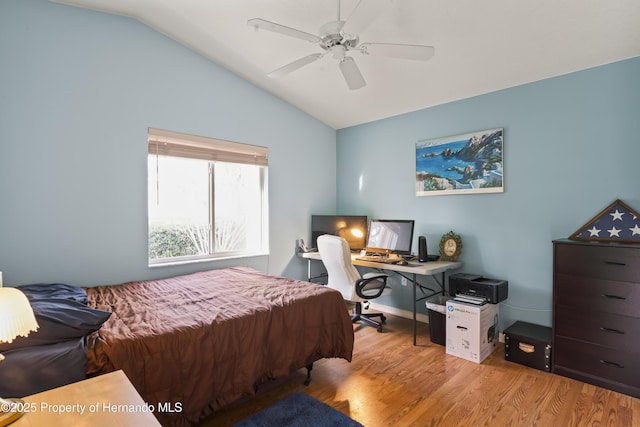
173, 263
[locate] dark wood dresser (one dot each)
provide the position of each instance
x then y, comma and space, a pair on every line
596, 314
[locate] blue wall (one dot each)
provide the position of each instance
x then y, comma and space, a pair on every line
571, 148
78, 90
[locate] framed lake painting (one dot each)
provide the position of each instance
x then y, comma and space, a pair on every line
460, 164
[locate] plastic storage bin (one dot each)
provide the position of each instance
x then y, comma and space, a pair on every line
436, 308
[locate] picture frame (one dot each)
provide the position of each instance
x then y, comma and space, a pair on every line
461, 164
450, 246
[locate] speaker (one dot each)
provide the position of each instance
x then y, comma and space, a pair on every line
422, 249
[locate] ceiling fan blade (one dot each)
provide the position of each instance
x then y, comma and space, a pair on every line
351, 73
403, 51
364, 14
263, 24
295, 65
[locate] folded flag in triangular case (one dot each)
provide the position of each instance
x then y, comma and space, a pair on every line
616, 223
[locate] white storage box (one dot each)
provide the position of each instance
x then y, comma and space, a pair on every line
472, 330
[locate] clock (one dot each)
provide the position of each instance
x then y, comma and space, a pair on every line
450, 247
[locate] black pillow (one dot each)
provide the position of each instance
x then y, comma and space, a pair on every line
55, 290
59, 320
34, 369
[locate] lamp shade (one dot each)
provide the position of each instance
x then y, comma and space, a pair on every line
16, 315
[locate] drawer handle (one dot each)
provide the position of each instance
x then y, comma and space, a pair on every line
527, 348
612, 364
613, 331
612, 296
622, 264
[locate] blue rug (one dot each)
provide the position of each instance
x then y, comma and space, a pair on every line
299, 410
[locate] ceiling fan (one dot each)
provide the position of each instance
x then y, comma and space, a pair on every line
339, 37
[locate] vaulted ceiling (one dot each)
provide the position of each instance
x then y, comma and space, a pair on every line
480, 46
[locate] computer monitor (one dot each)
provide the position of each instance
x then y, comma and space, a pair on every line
390, 236
353, 228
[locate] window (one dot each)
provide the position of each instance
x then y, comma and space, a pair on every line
207, 198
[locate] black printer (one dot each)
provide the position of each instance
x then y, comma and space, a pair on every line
478, 288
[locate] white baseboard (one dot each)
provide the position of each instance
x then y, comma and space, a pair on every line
397, 312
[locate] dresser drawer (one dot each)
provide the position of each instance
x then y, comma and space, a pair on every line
598, 261
603, 362
608, 296
609, 330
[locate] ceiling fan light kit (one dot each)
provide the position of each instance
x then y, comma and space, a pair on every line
339, 37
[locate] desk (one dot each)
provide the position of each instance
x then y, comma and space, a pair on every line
108, 400
431, 268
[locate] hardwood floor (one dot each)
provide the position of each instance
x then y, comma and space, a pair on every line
392, 383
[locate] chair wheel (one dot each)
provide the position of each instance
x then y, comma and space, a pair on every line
384, 319
379, 329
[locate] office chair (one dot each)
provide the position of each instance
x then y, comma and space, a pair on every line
343, 276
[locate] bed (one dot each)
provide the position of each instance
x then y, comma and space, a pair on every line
201, 341
190, 344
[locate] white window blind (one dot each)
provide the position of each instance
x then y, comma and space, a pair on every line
176, 144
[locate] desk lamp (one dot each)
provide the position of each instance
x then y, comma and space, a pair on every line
16, 319
349, 234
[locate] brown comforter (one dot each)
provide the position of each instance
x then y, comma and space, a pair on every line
192, 344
